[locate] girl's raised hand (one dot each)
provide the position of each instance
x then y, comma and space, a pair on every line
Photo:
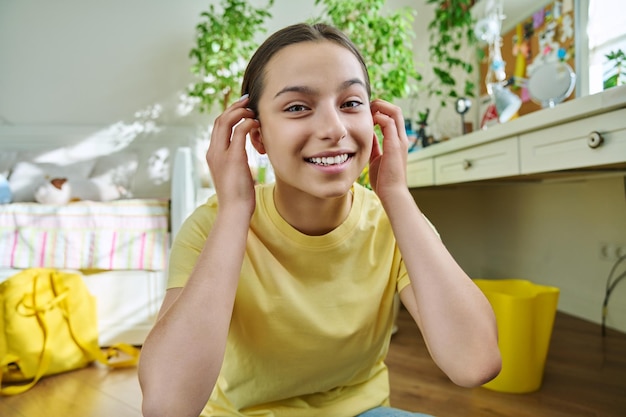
227, 158
388, 168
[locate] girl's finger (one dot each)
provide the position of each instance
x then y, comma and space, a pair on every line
388, 127
394, 112
225, 122
376, 152
236, 140
391, 134
240, 133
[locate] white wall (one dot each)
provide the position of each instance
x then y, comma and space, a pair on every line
78, 63
97, 63
68, 62
93, 63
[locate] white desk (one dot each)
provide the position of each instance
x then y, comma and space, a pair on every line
582, 136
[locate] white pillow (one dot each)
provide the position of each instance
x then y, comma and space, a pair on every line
97, 189
114, 174
84, 189
27, 177
110, 180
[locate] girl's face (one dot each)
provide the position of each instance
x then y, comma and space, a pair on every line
316, 124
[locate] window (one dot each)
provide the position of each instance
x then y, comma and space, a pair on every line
606, 32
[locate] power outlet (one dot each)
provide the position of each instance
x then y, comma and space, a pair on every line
612, 251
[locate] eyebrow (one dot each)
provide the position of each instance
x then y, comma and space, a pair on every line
308, 90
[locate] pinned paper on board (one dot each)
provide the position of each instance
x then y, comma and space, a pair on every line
546, 37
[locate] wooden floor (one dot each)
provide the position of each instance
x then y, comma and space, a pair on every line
585, 375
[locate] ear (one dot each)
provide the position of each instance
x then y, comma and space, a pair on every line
256, 137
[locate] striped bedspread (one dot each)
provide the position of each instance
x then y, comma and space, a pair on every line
123, 234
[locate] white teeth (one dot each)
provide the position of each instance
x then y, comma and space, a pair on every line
329, 160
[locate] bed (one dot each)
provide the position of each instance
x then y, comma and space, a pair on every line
119, 245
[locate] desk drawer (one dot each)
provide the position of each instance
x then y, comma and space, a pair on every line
569, 146
420, 173
492, 160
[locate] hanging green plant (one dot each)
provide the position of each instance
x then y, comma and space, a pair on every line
384, 39
451, 31
224, 42
616, 74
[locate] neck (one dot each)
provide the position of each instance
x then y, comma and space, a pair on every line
312, 215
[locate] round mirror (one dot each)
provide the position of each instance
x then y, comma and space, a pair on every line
551, 83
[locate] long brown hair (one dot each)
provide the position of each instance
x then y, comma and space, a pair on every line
301, 32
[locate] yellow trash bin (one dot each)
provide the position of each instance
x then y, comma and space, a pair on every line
525, 314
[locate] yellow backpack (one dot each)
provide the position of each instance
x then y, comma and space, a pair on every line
48, 325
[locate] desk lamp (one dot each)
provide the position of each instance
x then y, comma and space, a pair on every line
488, 30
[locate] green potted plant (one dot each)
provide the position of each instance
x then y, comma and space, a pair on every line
384, 39
616, 74
451, 31
225, 40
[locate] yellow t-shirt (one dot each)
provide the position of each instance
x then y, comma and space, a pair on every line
313, 314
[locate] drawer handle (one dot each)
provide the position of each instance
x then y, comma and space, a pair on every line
594, 140
467, 164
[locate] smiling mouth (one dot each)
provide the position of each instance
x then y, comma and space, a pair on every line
326, 161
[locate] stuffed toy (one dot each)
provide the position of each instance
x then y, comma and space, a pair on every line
55, 191
62, 190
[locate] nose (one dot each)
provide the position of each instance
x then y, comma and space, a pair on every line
331, 123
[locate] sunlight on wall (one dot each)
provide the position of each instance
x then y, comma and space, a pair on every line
106, 141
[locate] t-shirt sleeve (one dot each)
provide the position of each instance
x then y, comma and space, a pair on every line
403, 276
188, 244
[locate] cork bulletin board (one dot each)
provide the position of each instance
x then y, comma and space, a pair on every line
546, 36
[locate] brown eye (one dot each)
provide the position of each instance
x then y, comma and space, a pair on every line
351, 104
296, 108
